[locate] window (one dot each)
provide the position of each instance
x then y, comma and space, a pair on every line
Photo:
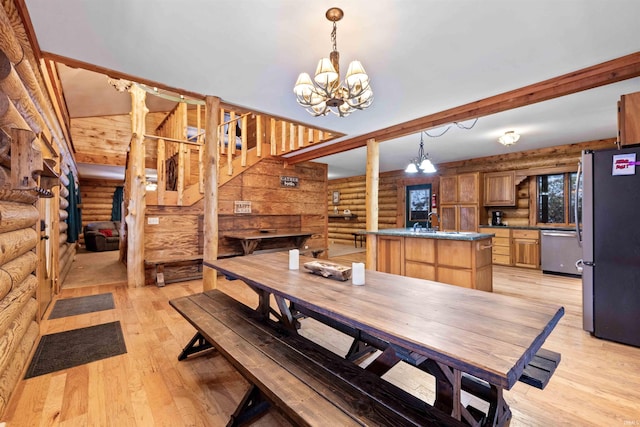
418, 204
556, 198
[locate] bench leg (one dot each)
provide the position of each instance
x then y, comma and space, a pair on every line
197, 344
160, 275
358, 349
253, 404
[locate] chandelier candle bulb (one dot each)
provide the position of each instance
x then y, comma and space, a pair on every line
294, 259
357, 273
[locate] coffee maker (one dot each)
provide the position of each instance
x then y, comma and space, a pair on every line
496, 218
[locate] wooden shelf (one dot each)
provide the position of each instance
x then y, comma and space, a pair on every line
345, 216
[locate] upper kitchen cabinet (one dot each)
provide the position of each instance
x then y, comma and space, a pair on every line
500, 188
629, 119
463, 188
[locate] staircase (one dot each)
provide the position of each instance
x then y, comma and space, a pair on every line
178, 149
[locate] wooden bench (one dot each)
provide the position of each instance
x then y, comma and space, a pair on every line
159, 265
306, 382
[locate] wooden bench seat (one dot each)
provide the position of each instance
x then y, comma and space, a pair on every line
306, 382
159, 265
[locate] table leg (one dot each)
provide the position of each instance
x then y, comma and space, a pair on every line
286, 317
248, 246
448, 397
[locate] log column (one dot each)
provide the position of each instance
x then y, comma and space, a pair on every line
136, 179
211, 191
373, 176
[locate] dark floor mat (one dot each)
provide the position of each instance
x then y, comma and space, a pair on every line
76, 347
81, 305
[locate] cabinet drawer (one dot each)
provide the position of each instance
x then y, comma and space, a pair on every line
501, 241
525, 234
501, 250
501, 259
501, 232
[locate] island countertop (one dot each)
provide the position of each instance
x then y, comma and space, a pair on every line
446, 235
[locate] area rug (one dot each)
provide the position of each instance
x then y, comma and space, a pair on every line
81, 305
67, 349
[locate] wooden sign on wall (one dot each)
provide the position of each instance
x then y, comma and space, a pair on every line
289, 181
242, 206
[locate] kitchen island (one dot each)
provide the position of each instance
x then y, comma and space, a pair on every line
457, 258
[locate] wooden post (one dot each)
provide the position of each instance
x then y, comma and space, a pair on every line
199, 139
372, 179
259, 135
209, 275
243, 153
274, 149
136, 202
162, 172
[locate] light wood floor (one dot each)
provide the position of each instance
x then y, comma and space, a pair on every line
596, 384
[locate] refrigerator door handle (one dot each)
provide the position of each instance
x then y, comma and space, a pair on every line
575, 205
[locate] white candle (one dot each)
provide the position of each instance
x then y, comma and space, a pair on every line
294, 259
357, 273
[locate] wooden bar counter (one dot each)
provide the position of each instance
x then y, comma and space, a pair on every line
456, 258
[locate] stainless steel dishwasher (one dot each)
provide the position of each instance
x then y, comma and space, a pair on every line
560, 252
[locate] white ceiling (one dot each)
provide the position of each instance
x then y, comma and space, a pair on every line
423, 56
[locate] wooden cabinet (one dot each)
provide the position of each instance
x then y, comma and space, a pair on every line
460, 202
629, 119
463, 263
391, 254
525, 246
420, 258
500, 188
448, 189
501, 245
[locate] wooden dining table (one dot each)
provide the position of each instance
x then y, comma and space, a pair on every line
449, 331
250, 240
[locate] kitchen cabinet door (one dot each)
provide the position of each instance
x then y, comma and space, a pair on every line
449, 218
468, 218
500, 188
526, 248
629, 119
391, 254
469, 188
448, 189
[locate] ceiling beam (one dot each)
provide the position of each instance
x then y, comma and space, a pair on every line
623, 68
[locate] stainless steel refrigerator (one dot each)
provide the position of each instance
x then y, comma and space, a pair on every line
610, 239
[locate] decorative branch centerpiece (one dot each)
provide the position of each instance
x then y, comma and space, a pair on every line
329, 269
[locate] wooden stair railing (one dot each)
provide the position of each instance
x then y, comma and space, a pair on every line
244, 138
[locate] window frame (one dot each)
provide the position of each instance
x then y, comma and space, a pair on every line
566, 195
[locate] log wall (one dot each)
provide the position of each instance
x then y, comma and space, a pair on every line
352, 197
96, 197
392, 186
66, 251
24, 104
18, 283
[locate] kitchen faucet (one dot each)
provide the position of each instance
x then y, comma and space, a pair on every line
416, 225
429, 218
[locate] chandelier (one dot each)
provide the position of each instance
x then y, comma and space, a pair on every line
326, 93
421, 162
